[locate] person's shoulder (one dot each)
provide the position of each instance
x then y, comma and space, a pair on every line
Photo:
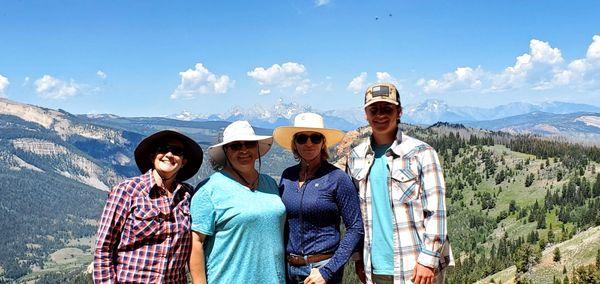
268, 178
336, 173
361, 148
209, 183
412, 144
131, 186
290, 171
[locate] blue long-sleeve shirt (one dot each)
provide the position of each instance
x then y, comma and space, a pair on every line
314, 211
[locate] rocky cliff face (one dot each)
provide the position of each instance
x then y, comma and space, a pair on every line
66, 162
62, 124
46, 140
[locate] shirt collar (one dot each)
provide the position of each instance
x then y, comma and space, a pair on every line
148, 178
394, 147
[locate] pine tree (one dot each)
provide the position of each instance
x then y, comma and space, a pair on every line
529, 180
556, 257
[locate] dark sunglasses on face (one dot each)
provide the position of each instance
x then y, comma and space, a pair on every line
175, 150
384, 110
303, 138
236, 146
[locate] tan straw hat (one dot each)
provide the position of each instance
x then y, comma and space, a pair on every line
240, 130
307, 121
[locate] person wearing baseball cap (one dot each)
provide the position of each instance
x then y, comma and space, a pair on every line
144, 234
402, 194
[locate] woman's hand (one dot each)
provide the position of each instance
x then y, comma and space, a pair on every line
314, 277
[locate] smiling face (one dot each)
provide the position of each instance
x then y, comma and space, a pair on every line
383, 118
169, 158
242, 154
309, 145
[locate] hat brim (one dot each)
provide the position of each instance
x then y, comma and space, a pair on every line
385, 100
192, 153
264, 145
283, 135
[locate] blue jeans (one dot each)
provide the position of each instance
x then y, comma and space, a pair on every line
297, 274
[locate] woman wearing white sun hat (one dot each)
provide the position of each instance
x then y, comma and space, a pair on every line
316, 195
237, 215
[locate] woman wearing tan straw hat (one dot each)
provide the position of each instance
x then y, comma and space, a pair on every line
144, 234
237, 215
317, 195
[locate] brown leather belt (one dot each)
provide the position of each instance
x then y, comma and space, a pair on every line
298, 260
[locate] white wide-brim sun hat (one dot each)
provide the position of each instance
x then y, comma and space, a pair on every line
303, 122
240, 130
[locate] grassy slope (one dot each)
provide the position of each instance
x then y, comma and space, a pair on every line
578, 251
581, 249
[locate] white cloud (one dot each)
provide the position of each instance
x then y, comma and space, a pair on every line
593, 52
583, 72
288, 75
26, 81
264, 92
199, 81
461, 78
320, 3
3, 85
535, 68
51, 88
101, 74
385, 77
542, 68
358, 84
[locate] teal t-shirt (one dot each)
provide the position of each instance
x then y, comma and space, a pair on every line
382, 250
243, 228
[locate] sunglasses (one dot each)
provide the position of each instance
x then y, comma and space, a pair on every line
175, 150
236, 146
303, 138
384, 110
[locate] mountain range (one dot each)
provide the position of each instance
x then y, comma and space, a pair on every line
576, 122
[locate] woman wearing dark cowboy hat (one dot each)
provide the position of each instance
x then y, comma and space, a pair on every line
144, 234
317, 195
237, 215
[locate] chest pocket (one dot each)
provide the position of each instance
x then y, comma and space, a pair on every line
405, 186
147, 221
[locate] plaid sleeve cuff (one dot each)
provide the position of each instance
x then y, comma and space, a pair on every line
428, 259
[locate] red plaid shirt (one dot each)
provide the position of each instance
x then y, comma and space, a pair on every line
144, 236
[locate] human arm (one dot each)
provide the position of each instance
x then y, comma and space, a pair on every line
197, 260
203, 226
347, 202
113, 218
434, 206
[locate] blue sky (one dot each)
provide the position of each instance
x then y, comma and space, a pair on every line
153, 58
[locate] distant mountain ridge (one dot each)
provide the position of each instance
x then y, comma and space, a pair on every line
515, 117
425, 113
580, 126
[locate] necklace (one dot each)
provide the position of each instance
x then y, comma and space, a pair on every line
251, 185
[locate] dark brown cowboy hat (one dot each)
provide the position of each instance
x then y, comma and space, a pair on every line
147, 148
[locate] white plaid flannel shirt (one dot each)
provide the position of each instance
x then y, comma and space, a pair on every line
417, 191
